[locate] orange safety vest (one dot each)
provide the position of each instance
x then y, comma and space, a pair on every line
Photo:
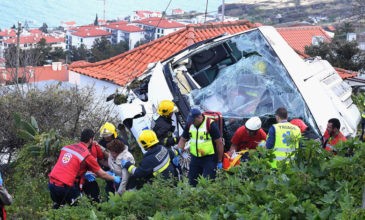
68, 165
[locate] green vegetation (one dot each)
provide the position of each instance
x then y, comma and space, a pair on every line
317, 185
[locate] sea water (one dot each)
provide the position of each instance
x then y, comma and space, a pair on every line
35, 12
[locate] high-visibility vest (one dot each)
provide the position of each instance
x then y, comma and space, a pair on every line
200, 140
284, 145
69, 162
328, 147
363, 112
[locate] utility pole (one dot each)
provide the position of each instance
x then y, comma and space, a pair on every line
17, 51
222, 10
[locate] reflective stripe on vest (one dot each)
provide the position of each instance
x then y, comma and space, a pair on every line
68, 164
200, 140
162, 166
284, 144
74, 153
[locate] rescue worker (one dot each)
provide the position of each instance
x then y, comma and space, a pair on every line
282, 137
89, 186
73, 162
307, 135
248, 136
156, 160
163, 125
108, 133
332, 135
362, 123
5, 199
206, 147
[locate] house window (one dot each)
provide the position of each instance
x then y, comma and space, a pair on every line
81, 40
162, 31
25, 45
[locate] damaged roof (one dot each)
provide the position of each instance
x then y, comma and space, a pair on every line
125, 67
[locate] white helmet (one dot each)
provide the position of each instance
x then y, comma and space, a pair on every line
253, 124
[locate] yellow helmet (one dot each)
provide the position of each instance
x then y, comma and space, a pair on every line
147, 139
108, 129
166, 107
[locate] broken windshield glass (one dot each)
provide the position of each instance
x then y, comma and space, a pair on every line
256, 84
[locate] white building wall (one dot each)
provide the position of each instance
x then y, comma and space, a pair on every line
102, 88
134, 37
87, 41
159, 32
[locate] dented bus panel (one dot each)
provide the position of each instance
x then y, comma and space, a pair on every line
243, 75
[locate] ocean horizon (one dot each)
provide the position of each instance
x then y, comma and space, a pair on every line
52, 12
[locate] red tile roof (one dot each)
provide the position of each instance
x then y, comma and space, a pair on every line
345, 74
79, 63
125, 67
125, 27
35, 39
178, 10
70, 23
331, 28
160, 22
301, 36
90, 31
8, 33
40, 73
35, 31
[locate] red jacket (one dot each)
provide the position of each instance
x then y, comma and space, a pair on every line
68, 166
331, 142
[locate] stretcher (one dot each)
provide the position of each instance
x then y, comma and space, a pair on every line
232, 161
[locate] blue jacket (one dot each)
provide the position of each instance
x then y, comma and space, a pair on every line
154, 160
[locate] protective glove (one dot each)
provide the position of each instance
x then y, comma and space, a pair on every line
180, 151
175, 161
124, 162
116, 179
90, 177
220, 165
110, 173
1, 179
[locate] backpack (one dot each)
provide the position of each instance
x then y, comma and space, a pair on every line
216, 117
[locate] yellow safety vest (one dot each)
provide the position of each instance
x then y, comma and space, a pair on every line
363, 112
283, 143
200, 140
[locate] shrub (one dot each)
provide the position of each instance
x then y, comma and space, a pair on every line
316, 185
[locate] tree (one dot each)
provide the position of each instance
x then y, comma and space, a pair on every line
340, 53
57, 54
343, 30
102, 49
96, 22
140, 42
44, 28
79, 53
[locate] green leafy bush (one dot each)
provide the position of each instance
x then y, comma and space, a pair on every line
316, 185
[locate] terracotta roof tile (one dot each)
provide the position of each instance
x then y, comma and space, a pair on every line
40, 73
133, 63
345, 74
301, 36
90, 32
35, 39
160, 22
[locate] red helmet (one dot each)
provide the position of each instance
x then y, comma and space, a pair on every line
300, 124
